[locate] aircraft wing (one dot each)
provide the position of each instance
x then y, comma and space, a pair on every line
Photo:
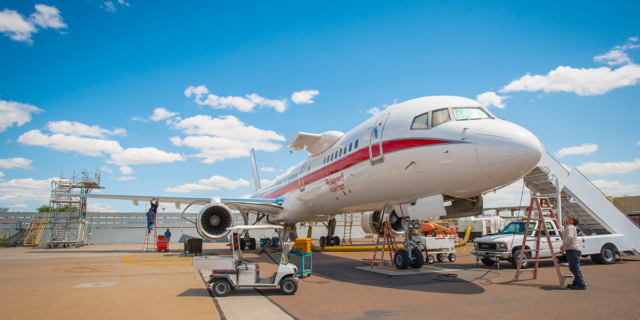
268, 206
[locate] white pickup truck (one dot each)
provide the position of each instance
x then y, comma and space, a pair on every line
506, 246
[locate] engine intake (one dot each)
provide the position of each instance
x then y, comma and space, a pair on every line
372, 222
213, 220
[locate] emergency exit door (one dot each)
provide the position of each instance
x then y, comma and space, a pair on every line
375, 147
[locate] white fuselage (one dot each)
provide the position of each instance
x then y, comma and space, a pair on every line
395, 164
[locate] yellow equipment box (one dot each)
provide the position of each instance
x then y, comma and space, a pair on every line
303, 244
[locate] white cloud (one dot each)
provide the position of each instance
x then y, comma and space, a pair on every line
376, 110
15, 163
584, 82
615, 188
139, 119
60, 142
20, 190
212, 183
585, 149
264, 182
106, 169
124, 178
244, 104
218, 181
15, 112
79, 129
161, 114
246, 196
304, 96
223, 137
99, 207
124, 3
17, 28
490, 98
148, 155
601, 169
125, 170
1, 175
268, 169
108, 5
507, 196
185, 188
638, 143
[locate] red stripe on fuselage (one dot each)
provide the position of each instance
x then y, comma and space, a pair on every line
353, 159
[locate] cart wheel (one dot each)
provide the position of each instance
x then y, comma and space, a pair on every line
288, 285
452, 257
221, 288
252, 243
430, 259
440, 257
434, 233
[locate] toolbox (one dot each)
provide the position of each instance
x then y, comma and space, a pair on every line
163, 244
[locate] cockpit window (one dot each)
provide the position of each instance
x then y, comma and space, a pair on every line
440, 116
471, 113
420, 122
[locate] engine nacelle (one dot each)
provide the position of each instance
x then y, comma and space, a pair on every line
213, 220
372, 222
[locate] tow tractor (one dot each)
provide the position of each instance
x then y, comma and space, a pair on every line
231, 272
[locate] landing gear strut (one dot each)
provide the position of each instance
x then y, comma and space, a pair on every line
411, 256
331, 239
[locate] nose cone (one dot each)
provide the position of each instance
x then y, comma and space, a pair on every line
506, 151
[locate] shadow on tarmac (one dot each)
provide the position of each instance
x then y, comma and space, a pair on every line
336, 268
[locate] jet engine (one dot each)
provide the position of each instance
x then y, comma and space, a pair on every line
213, 220
372, 222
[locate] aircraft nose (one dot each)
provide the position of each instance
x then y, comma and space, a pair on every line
507, 151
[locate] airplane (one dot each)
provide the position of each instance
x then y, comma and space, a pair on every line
444, 149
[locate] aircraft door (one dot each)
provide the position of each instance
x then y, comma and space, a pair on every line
375, 147
303, 172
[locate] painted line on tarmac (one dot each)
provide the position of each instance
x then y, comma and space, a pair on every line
158, 261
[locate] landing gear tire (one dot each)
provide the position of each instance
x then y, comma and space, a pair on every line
607, 254
252, 243
440, 257
401, 259
288, 285
417, 259
243, 244
516, 257
323, 241
452, 257
487, 262
336, 241
430, 259
221, 288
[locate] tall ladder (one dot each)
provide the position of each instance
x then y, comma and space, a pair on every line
541, 204
348, 226
388, 242
150, 238
36, 228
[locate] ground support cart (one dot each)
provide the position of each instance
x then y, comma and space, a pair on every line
231, 272
302, 271
443, 248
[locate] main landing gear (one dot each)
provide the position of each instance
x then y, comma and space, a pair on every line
330, 239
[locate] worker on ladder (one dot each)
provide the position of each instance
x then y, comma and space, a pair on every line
153, 210
572, 249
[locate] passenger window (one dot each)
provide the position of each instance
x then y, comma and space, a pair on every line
340, 154
440, 116
420, 122
331, 157
324, 160
350, 144
356, 146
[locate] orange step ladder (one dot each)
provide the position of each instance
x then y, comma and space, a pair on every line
150, 238
388, 242
540, 232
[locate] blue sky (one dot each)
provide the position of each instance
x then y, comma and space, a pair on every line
82, 80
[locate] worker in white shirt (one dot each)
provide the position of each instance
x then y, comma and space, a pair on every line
572, 250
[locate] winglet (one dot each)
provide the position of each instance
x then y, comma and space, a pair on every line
256, 177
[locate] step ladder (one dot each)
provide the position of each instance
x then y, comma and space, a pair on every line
36, 228
540, 205
388, 242
348, 226
150, 238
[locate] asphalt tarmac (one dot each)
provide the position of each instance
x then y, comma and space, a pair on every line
119, 281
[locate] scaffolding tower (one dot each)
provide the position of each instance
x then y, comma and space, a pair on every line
68, 223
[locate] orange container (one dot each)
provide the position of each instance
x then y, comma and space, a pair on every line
303, 244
